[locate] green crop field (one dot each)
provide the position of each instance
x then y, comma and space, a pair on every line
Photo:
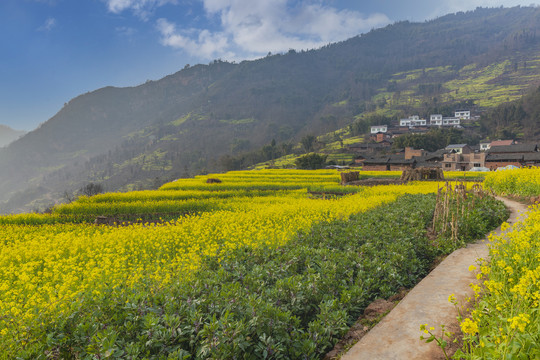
234, 267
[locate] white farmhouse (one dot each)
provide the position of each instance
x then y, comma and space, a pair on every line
379, 129
413, 120
463, 114
451, 121
484, 146
435, 120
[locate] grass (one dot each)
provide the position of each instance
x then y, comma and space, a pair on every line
237, 121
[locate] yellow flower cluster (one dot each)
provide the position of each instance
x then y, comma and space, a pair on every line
519, 322
524, 182
45, 270
469, 327
511, 293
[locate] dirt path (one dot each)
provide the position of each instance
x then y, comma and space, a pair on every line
397, 336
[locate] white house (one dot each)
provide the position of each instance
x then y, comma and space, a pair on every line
451, 121
379, 129
463, 114
413, 120
436, 120
458, 148
439, 120
484, 146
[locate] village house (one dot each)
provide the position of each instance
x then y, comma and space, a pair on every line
381, 137
461, 157
412, 121
408, 158
415, 125
501, 143
379, 129
435, 120
462, 114
516, 154
484, 146
411, 153
459, 148
388, 163
531, 159
368, 148
433, 160
439, 120
450, 121
396, 132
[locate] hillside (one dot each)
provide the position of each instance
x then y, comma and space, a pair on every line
183, 124
8, 135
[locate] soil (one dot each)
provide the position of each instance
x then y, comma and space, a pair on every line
372, 315
376, 181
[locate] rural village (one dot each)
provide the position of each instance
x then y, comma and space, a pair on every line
340, 201
486, 156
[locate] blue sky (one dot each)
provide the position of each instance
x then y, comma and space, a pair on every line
54, 50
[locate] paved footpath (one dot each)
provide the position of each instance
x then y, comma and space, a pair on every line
397, 336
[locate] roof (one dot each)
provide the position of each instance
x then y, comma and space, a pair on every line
439, 153
504, 157
517, 148
532, 156
501, 142
392, 159
376, 161
456, 146
399, 159
429, 158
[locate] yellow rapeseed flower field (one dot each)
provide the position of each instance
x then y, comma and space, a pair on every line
47, 269
506, 316
523, 182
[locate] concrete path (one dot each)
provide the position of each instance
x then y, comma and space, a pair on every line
397, 336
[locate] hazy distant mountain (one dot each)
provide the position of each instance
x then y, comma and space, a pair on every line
8, 135
137, 137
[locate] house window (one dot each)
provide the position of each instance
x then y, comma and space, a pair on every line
477, 165
447, 165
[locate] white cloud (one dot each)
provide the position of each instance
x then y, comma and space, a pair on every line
49, 24
202, 44
141, 8
253, 28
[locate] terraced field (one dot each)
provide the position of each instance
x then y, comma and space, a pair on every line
250, 265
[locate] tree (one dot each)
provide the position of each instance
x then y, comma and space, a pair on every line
432, 140
91, 189
308, 142
311, 161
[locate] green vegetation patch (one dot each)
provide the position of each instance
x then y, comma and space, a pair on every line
181, 120
190, 116
238, 121
290, 302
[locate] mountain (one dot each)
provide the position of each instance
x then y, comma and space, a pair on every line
185, 123
8, 135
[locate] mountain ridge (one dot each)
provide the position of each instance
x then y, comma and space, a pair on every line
9, 135
182, 124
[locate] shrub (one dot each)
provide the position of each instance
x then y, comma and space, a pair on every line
311, 161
